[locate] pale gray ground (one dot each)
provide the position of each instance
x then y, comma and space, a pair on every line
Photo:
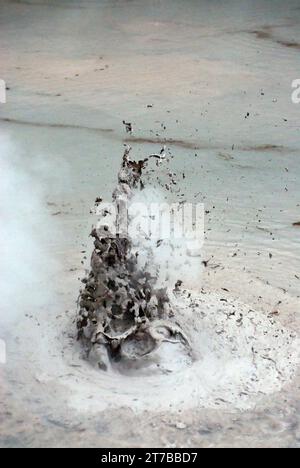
75, 70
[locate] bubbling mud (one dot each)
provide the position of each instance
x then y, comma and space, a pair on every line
125, 312
236, 357
191, 347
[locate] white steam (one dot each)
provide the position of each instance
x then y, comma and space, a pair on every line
24, 230
172, 257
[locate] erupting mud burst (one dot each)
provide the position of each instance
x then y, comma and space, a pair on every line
149, 312
124, 312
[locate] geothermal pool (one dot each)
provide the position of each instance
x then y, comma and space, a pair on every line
212, 82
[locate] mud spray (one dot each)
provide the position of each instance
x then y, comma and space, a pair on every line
161, 342
126, 308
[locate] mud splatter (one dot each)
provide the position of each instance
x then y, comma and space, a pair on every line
124, 312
